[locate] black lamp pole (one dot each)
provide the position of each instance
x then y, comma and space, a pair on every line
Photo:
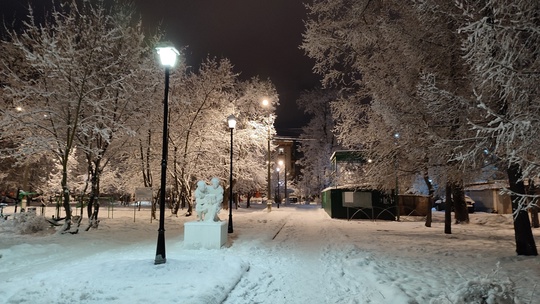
269, 186
168, 58
160, 251
396, 137
278, 194
231, 120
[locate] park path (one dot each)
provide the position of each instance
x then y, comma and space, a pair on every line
304, 257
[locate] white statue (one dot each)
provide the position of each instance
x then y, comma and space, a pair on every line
217, 191
208, 200
200, 201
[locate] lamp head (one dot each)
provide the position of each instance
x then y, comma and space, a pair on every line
167, 55
231, 120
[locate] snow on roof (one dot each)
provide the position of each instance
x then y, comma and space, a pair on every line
489, 185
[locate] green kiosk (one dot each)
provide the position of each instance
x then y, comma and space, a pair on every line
348, 198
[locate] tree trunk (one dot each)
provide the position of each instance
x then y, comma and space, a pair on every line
534, 217
93, 200
248, 200
525, 244
185, 194
448, 209
225, 203
461, 212
155, 202
91, 197
176, 187
431, 191
175, 204
65, 194
17, 200
535, 221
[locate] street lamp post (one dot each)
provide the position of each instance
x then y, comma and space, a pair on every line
265, 103
277, 194
231, 120
269, 186
167, 56
282, 163
396, 137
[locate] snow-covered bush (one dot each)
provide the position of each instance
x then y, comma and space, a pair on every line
29, 222
485, 290
491, 289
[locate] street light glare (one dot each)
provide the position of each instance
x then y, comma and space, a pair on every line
232, 121
265, 102
167, 55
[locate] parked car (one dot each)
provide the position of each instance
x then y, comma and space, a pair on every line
470, 204
440, 204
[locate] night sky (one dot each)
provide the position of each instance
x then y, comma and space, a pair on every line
259, 37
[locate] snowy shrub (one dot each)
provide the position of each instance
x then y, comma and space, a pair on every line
486, 290
29, 222
492, 289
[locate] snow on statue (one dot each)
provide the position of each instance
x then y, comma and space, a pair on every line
208, 200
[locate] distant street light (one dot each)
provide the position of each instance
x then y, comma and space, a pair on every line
167, 57
277, 194
231, 120
265, 103
396, 137
285, 196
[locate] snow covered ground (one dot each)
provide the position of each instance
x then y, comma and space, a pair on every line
295, 254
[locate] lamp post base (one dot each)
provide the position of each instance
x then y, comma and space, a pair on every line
159, 260
160, 251
230, 227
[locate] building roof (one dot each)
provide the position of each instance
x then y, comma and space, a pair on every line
494, 185
348, 156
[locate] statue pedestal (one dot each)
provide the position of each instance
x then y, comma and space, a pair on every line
209, 235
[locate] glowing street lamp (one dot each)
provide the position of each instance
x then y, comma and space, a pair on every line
265, 103
278, 198
231, 120
167, 57
396, 165
282, 163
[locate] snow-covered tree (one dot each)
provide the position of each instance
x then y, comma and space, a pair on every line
199, 135
116, 113
502, 49
379, 54
71, 76
369, 49
317, 140
435, 102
